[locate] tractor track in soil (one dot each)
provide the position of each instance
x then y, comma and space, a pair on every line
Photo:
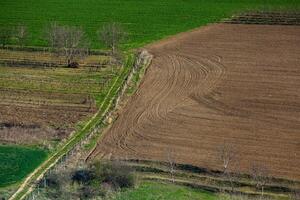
234, 83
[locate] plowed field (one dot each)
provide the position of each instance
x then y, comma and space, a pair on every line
42, 104
238, 84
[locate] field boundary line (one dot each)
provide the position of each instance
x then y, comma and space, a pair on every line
144, 60
23, 191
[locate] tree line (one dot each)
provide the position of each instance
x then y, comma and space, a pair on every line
19, 34
229, 159
70, 42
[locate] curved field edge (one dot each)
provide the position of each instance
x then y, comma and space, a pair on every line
209, 105
27, 186
145, 21
17, 162
143, 61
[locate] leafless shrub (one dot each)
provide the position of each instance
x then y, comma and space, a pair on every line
170, 156
260, 175
21, 34
52, 34
228, 155
295, 194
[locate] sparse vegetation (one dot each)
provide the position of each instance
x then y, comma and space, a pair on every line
260, 175
81, 89
100, 179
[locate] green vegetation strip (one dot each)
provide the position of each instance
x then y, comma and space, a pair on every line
17, 162
78, 136
145, 21
132, 86
164, 191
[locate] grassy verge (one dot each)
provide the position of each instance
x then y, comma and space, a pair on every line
132, 86
211, 181
80, 135
145, 21
136, 79
164, 191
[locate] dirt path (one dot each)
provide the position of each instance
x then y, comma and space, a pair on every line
234, 83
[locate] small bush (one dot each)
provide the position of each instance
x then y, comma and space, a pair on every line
51, 181
88, 192
97, 180
82, 176
116, 174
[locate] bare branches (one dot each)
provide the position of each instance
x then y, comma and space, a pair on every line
227, 154
111, 35
228, 157
260, 174
295, 195
51, 34
171, 161
69, 42
21, 34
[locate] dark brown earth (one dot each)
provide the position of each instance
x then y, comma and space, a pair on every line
234, 84
31, 117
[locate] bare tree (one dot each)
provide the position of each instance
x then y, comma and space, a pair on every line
171, 161
72, 44
295, 195
21, 34
111, 35
260, 175
51, 34
228, 155
5, 36
69, 42
229, 159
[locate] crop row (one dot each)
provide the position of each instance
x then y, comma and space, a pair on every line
266, 18
78, 136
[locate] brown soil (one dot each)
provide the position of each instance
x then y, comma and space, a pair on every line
37, 117
267, 18
31, 125
238, 84
40, 58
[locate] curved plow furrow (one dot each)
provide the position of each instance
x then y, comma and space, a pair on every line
218, 84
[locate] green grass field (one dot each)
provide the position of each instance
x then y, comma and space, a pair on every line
17, 162
145, 21
163, 191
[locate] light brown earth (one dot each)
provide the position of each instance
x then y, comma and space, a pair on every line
234, 84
